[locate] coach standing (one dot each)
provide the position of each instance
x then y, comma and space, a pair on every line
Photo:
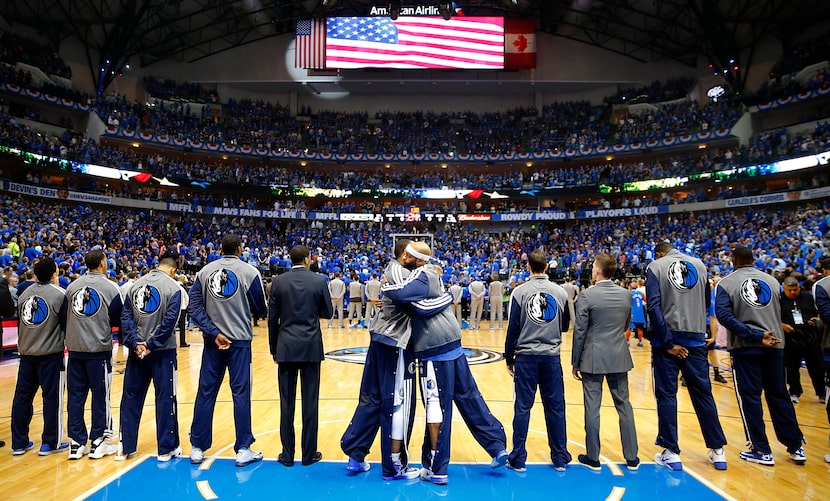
299, 299
678, 297
600, 352
747, 304
225, 297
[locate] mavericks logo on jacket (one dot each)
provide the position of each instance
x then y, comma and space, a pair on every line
755, 293
682, 275
223, 283
86, 302
541, 308
34, 311
146, 300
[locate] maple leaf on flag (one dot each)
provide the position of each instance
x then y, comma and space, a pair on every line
520, 43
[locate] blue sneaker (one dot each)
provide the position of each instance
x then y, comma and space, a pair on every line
355, 466
20, 452
46, 449
426, 474
717, 458
500, 459
669, 459
758, 457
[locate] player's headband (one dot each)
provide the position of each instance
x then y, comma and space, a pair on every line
418, 255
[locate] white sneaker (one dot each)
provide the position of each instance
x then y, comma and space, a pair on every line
163, 458
718, 458
76, 450
120, 456
798, 457
197, 455
669, 459
827, 458
246, 456
101, 448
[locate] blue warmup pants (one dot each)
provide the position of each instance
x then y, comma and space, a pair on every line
45, 372
375, 406
545, 373
85, 375
456, 384
759, 370
237, 361
695, 369
161, 368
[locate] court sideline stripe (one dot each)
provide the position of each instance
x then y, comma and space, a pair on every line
113, 477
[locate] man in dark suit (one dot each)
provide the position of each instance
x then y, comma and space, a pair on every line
298, 300
600, 352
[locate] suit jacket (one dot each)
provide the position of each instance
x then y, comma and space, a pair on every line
299, 299
603, 313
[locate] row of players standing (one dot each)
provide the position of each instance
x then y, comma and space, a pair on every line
678, 346
350, 294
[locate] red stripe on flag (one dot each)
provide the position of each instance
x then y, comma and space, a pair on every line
415, 43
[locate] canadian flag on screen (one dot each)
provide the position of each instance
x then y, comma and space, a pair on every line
519, 44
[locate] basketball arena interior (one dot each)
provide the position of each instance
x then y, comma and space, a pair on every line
493, 131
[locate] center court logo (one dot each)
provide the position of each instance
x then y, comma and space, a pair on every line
475, 356
86, 302
223, 284
34, 311
146, 300
682, 275
541, 308
755, 293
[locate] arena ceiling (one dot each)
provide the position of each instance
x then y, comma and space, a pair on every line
190, 30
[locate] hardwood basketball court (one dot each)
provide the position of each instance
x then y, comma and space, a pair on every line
33, 477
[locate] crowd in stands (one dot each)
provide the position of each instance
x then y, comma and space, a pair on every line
16, 48
787, 85
11, 75
675, 119
166, 88
782, 79
784, 242
765, 147
802, 54
560, 127
656, 92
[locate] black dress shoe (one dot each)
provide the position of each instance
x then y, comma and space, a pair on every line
317, 457
285, 460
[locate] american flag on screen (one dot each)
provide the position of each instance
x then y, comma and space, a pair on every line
415, 42
310, 49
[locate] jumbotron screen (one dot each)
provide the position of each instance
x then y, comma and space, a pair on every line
415, 42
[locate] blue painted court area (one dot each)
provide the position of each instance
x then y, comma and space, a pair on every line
180, 480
